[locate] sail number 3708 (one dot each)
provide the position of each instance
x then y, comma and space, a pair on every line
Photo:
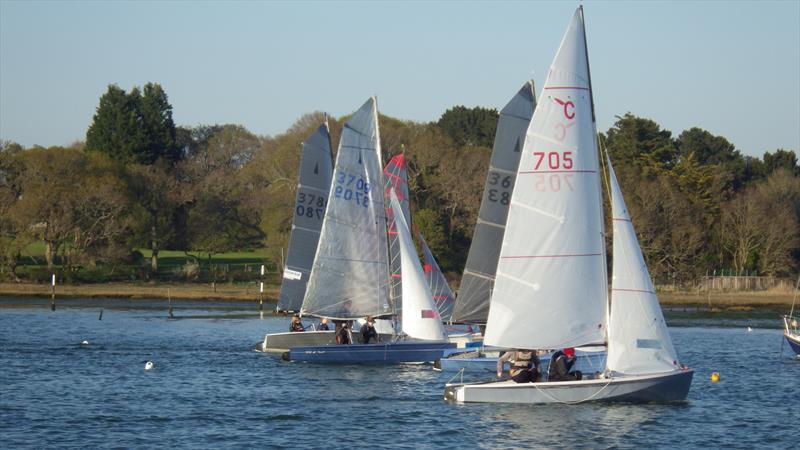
351, 188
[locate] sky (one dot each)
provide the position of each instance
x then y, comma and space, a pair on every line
729, 67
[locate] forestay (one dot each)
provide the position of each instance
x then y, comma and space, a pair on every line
550, 289
472, 304
420, 318
316, 166
350, 275
395, 178
638, 339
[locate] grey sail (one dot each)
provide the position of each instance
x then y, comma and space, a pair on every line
350, 275
472, 302
316, 168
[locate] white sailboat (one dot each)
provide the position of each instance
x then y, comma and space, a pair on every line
350, 276
551, 286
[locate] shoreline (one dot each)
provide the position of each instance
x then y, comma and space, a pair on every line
220, 292
249, 292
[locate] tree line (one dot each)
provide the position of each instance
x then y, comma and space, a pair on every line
138, 181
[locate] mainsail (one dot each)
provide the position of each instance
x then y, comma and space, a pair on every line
638, 340
395, 179
442, 294
550, 288
316, 166
420, 318
349, 279
472, 303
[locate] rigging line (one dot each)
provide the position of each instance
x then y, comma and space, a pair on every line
565, 402
791, 311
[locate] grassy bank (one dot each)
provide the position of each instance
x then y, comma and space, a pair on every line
221, 291
249, 292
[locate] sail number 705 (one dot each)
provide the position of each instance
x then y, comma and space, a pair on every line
553, 160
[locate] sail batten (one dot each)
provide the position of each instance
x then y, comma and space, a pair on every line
550, 289
477, 282
350, 275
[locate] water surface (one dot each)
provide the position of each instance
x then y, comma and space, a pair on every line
209, 389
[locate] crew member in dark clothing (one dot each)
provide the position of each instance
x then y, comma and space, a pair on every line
296, 325
342, 332
368, 331
323, 324
523, 365
560, 364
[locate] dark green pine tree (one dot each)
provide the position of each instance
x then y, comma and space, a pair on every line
116, 129
470, 126
158, 126
134, 127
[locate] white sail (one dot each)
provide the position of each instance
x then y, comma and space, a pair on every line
638, 339
350, 276
551, 286
420, 317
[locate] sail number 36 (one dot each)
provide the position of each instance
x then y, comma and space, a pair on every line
499, 195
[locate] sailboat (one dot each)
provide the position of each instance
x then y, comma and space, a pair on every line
350, 275
396, 180
311, 199
551, 285
791, 331
477, 282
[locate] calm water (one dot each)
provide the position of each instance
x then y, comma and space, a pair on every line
209, 389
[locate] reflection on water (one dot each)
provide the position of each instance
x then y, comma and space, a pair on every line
209, 389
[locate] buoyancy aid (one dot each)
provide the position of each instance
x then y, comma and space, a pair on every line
522, 361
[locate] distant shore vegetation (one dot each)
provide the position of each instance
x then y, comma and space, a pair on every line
144, 199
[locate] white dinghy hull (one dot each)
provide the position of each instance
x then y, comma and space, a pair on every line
664, 387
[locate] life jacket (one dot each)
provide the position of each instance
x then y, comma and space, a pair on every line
522, 361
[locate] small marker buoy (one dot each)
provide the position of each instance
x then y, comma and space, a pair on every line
714, 377
149, 365
85, 342
749, 329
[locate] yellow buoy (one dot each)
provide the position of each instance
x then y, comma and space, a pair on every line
715, 377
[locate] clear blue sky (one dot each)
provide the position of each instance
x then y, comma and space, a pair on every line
732, 68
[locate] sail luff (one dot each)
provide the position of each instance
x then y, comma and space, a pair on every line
477, 282
638, 339
442, 294
311, 199
349, 278
551, 286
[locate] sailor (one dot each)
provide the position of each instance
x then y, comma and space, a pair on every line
323, 324
368, 331
342, 332
523, 365
296, 325
560, 364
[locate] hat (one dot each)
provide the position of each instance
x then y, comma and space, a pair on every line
570, 352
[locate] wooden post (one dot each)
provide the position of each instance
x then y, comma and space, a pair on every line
53, 294
261, 291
